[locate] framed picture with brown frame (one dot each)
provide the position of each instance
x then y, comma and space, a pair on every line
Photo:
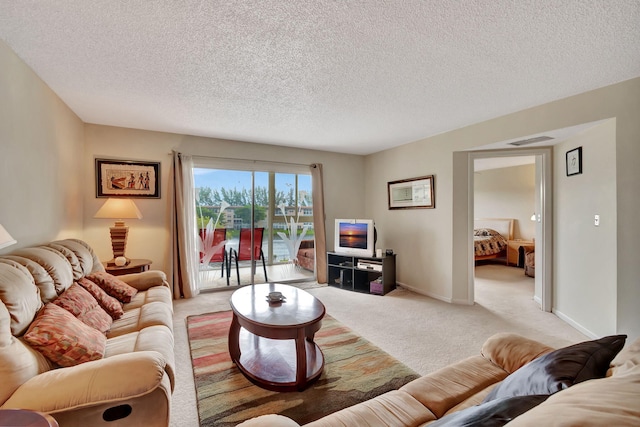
414, 193
127, 178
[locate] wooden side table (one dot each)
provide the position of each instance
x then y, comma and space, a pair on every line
134, 266
512, 250
25, 418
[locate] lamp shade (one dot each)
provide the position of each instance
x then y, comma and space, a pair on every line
5, 238
118, 209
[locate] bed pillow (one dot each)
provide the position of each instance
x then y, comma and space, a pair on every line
79, 302
561, 368
485, 232
496, 413
63, 339
113, 286
106, 301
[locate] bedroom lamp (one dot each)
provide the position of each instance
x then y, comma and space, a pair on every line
118, 209
5, 238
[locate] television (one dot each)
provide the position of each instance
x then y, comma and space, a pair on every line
355, 237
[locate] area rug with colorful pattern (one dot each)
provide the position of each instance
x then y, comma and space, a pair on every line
355, 370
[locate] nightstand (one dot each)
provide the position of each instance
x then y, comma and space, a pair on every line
512, 250
134, 266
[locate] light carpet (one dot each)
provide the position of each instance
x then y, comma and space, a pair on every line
354, 371
423, 333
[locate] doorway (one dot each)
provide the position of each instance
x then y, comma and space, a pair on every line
504, 190
463, 218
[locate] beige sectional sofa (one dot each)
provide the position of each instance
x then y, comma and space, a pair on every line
526, 384
131, 381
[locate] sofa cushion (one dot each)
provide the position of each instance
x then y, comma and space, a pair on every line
18, 362
56, 265
495, 413
19, 294
79, 302
453, 384
626, 360
43, 280
113, 286
106, 301
561, 368
512, 351
610, 401
394, 408
63, 339
154, 338
150, 314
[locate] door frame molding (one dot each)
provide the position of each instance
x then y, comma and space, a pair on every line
463, 203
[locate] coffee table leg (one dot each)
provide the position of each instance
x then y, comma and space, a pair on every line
301, 360
234, 339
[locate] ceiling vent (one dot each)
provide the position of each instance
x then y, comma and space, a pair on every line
530, 140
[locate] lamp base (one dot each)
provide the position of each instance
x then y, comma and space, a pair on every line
118, 239
113, 263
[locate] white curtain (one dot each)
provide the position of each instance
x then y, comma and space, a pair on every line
185, 251
318, 222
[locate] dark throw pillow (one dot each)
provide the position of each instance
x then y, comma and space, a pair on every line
496, 413
561, 369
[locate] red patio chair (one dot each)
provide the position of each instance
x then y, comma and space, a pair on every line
244, 250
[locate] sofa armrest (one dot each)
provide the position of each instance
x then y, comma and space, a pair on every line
91, 383
145, 280
512, 351
271, 420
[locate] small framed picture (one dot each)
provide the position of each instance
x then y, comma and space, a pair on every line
574, 161
127, 178
411, 193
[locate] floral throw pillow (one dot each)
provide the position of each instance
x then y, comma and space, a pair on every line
113, 286
63, 339
106, 301
79, 302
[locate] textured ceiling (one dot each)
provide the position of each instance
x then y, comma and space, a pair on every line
345, 76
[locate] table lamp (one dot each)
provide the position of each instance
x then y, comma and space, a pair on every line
118, 209
5, 238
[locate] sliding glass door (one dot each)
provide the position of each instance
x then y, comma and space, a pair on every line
237, 209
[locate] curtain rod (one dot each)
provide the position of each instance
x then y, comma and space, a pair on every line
247, 160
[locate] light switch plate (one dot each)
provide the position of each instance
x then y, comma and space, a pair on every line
596, 220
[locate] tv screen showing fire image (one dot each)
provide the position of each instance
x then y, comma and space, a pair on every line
353, 235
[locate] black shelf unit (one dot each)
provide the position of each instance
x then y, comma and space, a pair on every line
343, 272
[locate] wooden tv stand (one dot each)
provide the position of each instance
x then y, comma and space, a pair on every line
343, 272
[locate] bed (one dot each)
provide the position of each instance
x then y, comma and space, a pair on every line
490, 236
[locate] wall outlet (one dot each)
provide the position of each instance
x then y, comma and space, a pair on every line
596, 220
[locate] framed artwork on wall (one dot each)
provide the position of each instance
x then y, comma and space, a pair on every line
414, 193
127, 178
574, 161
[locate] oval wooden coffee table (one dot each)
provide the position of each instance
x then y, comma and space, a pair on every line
272, 343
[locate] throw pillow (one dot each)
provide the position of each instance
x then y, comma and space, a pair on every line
63, 339
561, 368
113, 286
491, 414
106, 301
79, 302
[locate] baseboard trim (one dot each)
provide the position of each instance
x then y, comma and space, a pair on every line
425, 293
574, 324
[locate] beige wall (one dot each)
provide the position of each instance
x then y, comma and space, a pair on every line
41, 158
149, 237
428, 258
586, 255
47, 188
507, 193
